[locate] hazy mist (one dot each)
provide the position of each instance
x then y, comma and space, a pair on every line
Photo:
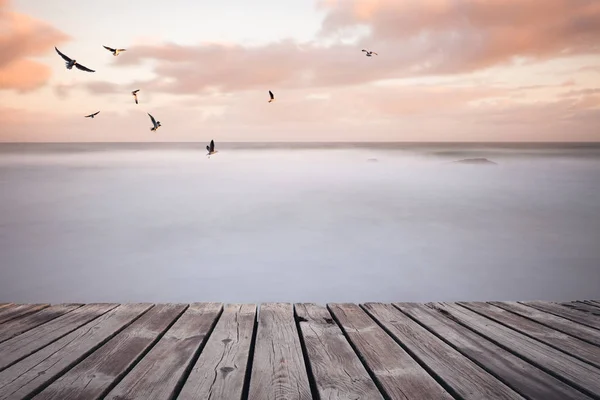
127, 224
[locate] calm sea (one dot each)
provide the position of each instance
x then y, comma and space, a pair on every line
298, 222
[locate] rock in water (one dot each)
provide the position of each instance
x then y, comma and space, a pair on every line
475, 161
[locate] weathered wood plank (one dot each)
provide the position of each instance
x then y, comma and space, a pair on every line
397, 373
158, 374
336, 369
465, 377
220, 370
17, 311
28, 342
565, 312
98, 372
17, 326
35, 372
592, 303
586, 308
580, 374
278, 370
520, 375
583, 332
560, 341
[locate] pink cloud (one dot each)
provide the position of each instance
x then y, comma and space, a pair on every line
465, 35
21, 38
413, 38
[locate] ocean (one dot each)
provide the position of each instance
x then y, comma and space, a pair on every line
312, 222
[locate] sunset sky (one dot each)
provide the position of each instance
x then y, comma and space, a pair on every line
447, 70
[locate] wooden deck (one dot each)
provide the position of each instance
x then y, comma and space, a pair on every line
495, 350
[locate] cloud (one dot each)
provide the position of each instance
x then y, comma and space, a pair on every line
414, 113
582, 92
21, 38
286, 65
466, 35
414, 38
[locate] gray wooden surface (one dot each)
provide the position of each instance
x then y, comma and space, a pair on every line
220, 371
566, 312
520, 375
561, 324
466, 378
580, 374
400, 376
563, 342
33, 373
96, 374
15, 311
336, 368
472, 350
278, 370
17, 326
581, 306
158, 374
29, 342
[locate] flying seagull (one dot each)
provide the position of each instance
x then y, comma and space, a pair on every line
369, 53
272, 96
211, 148
114, 51
155, 123
134, 93
92, 115
70, 63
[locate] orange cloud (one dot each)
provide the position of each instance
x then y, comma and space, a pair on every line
412, 37
185, 70
465, 35
21, 38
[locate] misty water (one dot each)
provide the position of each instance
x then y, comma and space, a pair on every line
318, 223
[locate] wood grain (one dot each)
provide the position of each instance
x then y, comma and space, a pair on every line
17, 326
520, 375
570, 345
397, 373
566, 312
158, 374
5, 305
33, 373
465, 377
278, 370
220, 370
582, 332
577, 305
582, 375
97, 373
17, 311
34, 339
336, 368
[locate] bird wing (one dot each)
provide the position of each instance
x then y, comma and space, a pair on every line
271, 94
374, 53
153, 120
208, 148
96, 113
87, 116
366, 51
83, 68
67, 59
122, 49
108, 48
135, 92
212, 145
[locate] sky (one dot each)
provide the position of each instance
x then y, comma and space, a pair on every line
446, 70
